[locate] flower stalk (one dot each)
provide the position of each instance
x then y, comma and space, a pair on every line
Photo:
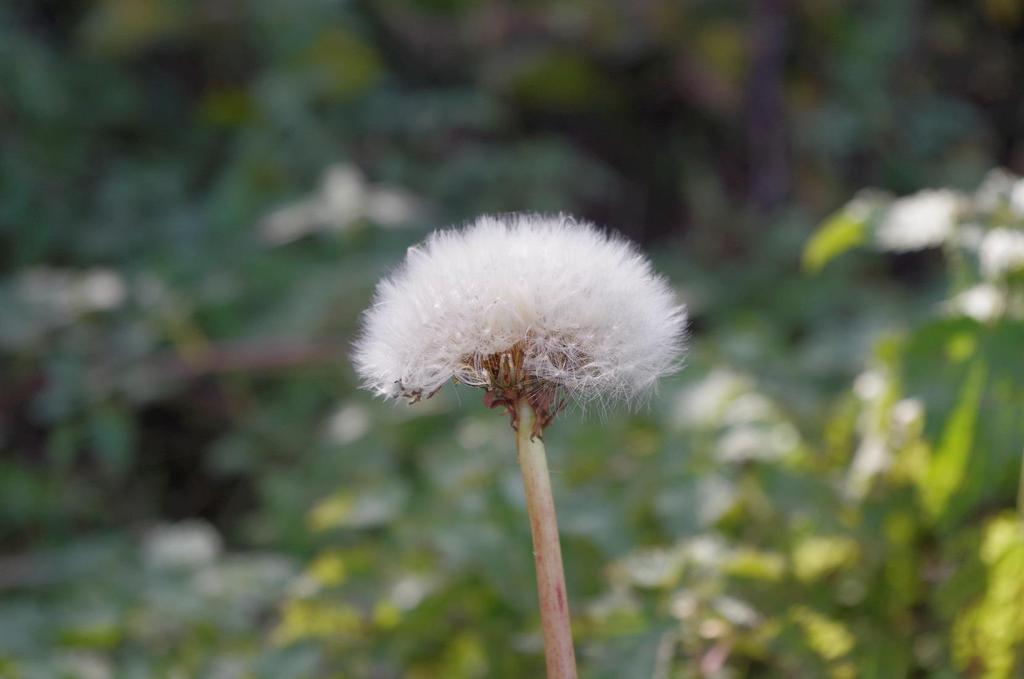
547, 552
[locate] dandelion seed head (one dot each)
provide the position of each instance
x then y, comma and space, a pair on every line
522, 301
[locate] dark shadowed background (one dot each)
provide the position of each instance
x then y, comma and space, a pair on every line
196, 199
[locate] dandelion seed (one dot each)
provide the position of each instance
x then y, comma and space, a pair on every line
528, 308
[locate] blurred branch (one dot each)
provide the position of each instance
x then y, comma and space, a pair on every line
174, 366
245, 358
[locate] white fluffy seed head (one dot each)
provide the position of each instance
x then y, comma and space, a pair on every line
579, 311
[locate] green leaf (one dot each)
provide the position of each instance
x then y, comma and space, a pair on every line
827, 637
947, 468
843, 231
988, 637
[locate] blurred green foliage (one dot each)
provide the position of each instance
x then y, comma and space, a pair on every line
196, 200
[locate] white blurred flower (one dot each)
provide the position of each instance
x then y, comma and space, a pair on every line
66, 294
185, 545
750, 407
44, 298
389, 206
706, 550
616, 600
757, 441
736, 611
907, 411
869, 385
408, 591
83, 665
704, 402
349, 423
342, 194
1017, 198
344, 198
101, 289
871, 459
654, 566
907, 417
712, 628
1001, 252
995, 190
872, 456
684, 604
983, 302
522, 304
922, 220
